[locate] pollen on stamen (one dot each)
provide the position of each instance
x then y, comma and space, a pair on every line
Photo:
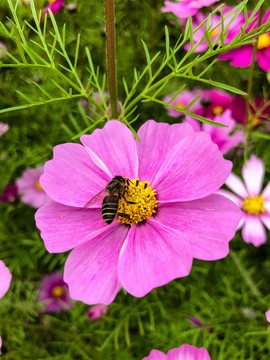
254, 205
139, 203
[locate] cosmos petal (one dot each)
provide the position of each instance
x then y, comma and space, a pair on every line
115, 147
71, 177
157, 140
253, 175
155, 355
5, 279
188, 352
91, 268
64, 227
253, 230
152, 256
193, 169
236, 184
208, 224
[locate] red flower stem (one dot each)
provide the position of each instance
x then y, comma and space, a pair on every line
111, 54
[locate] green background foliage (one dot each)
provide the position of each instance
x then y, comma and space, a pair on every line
216, 292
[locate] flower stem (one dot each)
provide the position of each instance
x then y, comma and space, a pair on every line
245, 275
111, 54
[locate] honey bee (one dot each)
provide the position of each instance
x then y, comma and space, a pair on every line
114, 191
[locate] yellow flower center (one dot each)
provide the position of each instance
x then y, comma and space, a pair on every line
254, 205
253, 121
263, 41
58, 291
51, 1
180, 106
214, 32
139, 204
38, 186
217, 110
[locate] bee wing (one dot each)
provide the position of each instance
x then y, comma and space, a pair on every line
95, 199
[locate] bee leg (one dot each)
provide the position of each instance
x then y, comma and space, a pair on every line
128, 202
124, 215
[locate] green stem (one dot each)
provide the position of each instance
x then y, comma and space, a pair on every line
245, 275
249, 87
111, 54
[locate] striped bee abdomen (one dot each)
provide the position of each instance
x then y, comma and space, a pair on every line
109, 208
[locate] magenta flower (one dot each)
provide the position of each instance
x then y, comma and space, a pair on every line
29, 187
3, 127
184, 352
174, 215
9, 194
54, 6
5, 279
254, 203
53, 292
259, 110
267, 314
214, 103
233, 29
181, 101
97, 311
242, 56
183, 8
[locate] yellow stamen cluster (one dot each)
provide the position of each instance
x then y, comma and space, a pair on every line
51, 1
38, 186
215, 32
263, 41
139, 203
253, 120
58, 291
254, 205
180, 106
217, 110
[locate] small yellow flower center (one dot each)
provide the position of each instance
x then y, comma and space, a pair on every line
253, 121
58, 291
217, 110
214, 32
38, 186
263, 41
180, 106
139, 204
254, 205
51, 1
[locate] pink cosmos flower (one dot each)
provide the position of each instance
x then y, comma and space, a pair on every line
233, 29
30, 189
3, 127
214, 103
224, 137
242, 56
183, 8
254, 202
53, 292
259, 110
184, 352
267, 314
97, 311
181, 101
174, 215
9, 194
54, 5
5, 279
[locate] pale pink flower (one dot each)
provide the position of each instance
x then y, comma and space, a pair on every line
181, 101
3, 128
5, 279
174, 217
30, 189
254, 202
184, 352
267, 314
242, 56
97, 311
53, 293
183, 8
